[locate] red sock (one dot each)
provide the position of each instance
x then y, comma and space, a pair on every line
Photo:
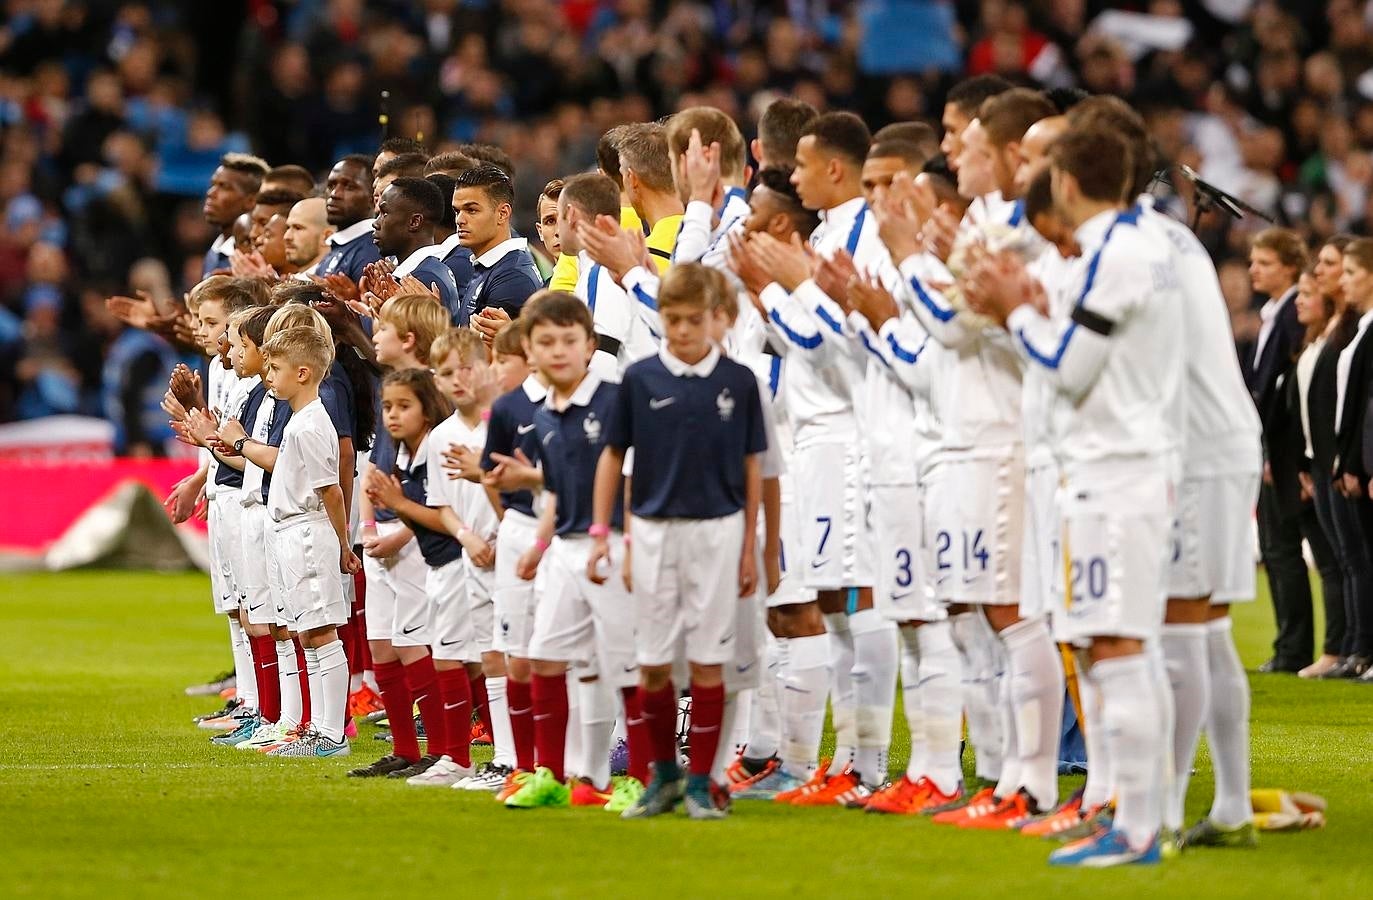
481, 706
423, 682
636, 731
359, 654
659, 709
520, 697
304, 683
456, 693
265, 669
707, 714
395, 697
347, 634
550, 721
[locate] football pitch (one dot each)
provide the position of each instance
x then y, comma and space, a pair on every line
111, 791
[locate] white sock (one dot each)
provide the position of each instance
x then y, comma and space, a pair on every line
1189, 681
803, 702
734, 732
1227, 726
329, 705
876, 656
354, 683
765, 721
941, 695
573, 760
1009, 782
841, 690
244, 674
913, 702
503, 740
288, 674
316, 687
1036, 695
598, 705
1099, 787
1163, 692
725, 749
1131, 714
972, 635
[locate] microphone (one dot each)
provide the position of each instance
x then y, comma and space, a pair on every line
1208, 196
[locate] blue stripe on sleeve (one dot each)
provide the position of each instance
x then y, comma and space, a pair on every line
939, 312
800, 340
646, 298
901, 353
829, 320
867, 344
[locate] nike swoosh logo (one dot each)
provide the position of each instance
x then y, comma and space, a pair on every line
448, 706
928, 678
538, 718
742, 669
330, 751
270, 665
896, 598
655, 403
411, 630
817, 563
631, 668
726, 639
421, 698
254, 608
443, 643
524, 429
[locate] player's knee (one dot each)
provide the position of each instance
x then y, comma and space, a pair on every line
654, 678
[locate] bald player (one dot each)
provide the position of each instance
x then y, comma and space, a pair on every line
307, 234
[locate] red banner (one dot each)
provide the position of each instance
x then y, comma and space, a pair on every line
43, 499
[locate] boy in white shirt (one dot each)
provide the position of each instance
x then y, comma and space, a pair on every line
310, 522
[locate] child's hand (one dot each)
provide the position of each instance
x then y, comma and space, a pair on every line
599, 561
748, 573
384, 491
348, 562
513, 473
528, 566
201, 426
626, 575
463, 463
231, 431
382, 547
481, 553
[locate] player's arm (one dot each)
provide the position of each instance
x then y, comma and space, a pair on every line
332, 497
772, 532
753, 497
693, 240
920, 290
609, 472
642, 286
347, 470
528, 564
795, 324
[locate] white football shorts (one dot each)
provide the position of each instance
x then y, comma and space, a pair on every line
1213, 539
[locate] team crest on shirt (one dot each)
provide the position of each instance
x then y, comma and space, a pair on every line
592, 426
725, 404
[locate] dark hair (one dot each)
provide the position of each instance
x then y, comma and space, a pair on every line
400, 146
451, 164
553, 190
781, 126
423, 196
279, 197
644, 149
1115, 115
911, 154
921, 134
842, 133
253, 325
555, 308
1315, 330
361, 160
297, 177
778, 181
593, 193
433, 403
1008, 115
490, 153
1039, 196
241, 293
406, 165
445, 185
1065, 98
353, 350
1338, 241
608, 154
1098, 158
970, 93
252, 168
490, 178
509, 341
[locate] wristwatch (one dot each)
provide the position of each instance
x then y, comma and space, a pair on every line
238, 445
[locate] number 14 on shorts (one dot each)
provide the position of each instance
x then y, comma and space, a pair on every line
976, 559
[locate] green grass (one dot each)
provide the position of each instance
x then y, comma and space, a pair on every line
109, 790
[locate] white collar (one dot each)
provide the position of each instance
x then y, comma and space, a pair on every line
580, 397
498, 252
351, 233
446, 249
846, 210
403, 456
1365, 319
223, 245
534, 389
678, 368
412, 261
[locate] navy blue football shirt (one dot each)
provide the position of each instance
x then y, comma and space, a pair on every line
691, 428
511, 427
504, 278
228, 475
570, 445
437, 547
349, 251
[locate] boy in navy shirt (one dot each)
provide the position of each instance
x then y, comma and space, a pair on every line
577, 619
695, 421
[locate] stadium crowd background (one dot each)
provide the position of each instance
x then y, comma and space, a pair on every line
114, 114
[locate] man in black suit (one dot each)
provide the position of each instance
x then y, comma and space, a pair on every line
1276, 259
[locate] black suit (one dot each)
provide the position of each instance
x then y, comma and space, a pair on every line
1280, 510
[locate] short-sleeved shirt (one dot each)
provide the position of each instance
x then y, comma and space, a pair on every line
691, 427
336, 393
434, 273
383, 459
350, 250
243, 406
468, 499
570, 445
512, 428
437, 547
307, 462
276, 431
504, 277
259, 429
